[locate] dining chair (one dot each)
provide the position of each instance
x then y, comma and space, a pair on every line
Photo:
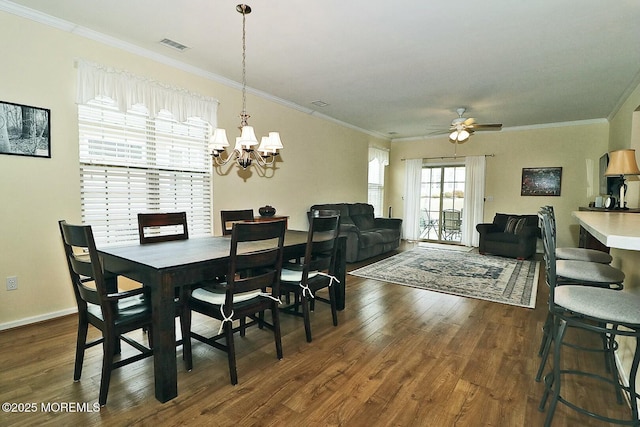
113, 313
161, 227
228, 218
606, 312
316, 271
255, 263
451, 224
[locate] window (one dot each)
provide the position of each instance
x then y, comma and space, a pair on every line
441, 202
378, 159
131, 163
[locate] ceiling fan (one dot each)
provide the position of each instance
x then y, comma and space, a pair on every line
462, 128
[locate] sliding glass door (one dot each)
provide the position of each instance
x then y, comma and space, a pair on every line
441, 203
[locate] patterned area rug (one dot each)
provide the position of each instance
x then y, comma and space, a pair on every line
471, 275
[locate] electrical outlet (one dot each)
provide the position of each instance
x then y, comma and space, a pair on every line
12, 283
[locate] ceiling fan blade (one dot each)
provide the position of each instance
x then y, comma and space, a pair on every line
488, 126
469, 121
439, 132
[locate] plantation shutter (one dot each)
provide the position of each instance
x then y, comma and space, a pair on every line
131, 163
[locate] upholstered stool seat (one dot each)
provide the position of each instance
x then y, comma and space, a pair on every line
583, 254
603, 304
588, 272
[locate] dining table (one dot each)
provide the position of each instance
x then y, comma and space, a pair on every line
164, 266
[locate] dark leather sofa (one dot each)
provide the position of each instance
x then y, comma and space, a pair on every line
367, 236
508, 237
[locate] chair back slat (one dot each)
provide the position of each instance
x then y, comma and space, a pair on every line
320, 253
162, 227
229, 217
260, 268
84, 264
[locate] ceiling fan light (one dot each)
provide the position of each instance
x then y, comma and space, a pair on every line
454, 135
463, 135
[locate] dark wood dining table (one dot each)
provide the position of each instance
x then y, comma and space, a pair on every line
167, 265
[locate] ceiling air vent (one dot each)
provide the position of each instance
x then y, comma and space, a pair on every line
174, 44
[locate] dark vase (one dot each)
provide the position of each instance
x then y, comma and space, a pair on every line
267, 211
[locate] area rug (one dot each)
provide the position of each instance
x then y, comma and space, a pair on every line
486, 277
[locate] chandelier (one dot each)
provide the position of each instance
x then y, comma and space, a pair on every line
244, 152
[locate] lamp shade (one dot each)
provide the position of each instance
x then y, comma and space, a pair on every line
274, 141
219, 140
622, 162
248, 137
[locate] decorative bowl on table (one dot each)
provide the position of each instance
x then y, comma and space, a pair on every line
267, 211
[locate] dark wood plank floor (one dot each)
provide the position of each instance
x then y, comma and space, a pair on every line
399, 356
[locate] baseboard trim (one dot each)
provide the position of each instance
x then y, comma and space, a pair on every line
37, 319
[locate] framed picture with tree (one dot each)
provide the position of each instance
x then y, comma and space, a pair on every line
25, 130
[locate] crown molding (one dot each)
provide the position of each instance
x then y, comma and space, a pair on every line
61, 24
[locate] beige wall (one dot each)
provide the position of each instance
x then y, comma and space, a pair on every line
572, 147
322, 161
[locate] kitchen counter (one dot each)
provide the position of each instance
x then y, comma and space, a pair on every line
614, 229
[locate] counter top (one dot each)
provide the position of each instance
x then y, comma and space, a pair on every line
614, 229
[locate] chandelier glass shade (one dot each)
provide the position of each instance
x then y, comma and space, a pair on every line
247, 150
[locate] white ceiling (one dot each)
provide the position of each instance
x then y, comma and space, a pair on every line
395, 69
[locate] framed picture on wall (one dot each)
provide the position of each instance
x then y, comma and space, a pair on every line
25, 130
541, 181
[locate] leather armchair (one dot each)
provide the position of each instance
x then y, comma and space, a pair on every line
509, 235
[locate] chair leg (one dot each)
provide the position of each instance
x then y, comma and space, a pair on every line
554, 385
546, 347
545, 333
83, 327
243, 326
332, 301
108, 346
608, 341
632, 381
231, 352
307, 319
275, 316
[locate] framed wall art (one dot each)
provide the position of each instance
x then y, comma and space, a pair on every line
25, 130
541, 181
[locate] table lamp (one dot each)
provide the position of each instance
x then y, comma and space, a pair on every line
622, 163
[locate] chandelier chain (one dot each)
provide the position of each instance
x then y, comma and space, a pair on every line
243, 115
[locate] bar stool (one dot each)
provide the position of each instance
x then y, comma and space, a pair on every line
576, 254
589, 308
573, 272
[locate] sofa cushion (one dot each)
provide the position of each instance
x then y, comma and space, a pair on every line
342, 207
502, 237
370, 239
362, 215
387, 235
364, 222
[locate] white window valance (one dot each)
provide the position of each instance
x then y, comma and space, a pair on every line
127, 90
382, 156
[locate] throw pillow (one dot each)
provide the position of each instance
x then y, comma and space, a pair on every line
520, 225
515, 225
511, 225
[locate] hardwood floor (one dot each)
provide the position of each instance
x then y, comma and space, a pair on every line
400, 356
